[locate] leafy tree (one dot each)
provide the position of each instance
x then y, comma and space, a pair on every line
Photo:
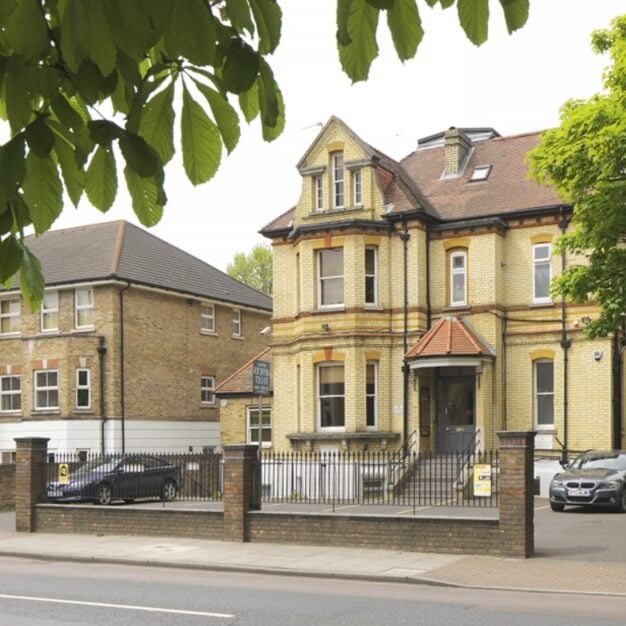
253, 269
585, 160
85, 83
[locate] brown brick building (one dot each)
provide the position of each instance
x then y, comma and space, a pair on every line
132, 338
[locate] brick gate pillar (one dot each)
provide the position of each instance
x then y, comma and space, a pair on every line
516, 487
240, 496
30, 479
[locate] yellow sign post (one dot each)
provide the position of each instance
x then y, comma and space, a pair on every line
482, 481
64, 473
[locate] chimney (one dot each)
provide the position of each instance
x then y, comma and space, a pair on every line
457, 148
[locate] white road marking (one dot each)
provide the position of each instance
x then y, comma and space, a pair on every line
126, 607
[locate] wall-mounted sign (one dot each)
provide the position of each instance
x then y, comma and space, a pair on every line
261, 378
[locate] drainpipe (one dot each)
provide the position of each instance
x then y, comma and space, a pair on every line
122, 382
102, 350
565, 344
428, 309
404, 236
618, 349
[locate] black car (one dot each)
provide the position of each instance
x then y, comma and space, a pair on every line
595, 478
127, 478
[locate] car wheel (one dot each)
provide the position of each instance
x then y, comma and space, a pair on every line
104, 494
621, 503
169, 491
556, 506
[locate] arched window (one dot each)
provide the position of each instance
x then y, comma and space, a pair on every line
458, 278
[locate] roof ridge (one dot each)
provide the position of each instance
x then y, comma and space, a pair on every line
428, 337
117, 249
470, 336
242, 368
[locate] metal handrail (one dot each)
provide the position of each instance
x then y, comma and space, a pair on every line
397, 465
466, 456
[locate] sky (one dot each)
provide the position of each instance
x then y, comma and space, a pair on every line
513, 83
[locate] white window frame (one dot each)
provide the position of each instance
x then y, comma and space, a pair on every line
10, 309
320, 397
83, 308
331, 277
373, 396
11, 393
207, 318
250, 429
338, 172
480, 173
50, 311
236, 322
537, 263
207, 386
47, 389
318, 194
537, 394
373, 278
357, 188
458, 254
83, 387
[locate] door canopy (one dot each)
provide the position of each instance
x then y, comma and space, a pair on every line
449, 343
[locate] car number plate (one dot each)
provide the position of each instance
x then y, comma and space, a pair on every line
579, 492
52, 493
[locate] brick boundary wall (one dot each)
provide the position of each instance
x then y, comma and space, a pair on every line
511, 535
128, 520
7, 487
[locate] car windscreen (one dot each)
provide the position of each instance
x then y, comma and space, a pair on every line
601, 461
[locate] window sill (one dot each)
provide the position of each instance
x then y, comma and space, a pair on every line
541, 305
208, 405
40, 412
209, 333
458, 307
10, 335
238, 337
331, 309
10, 414
83, 329
83, 411
373, 307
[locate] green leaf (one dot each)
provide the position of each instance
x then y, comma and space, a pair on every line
101, 179
43, 193
131, 26
146, 196
104, 132
74, 33
238, 12
474, 18
515, 13
200, 141
12, 166
140, 157
191, 32
73, 175
39, 137
101, 48
343, 13
405, 26
270, 103
241, 66
157, 123
31, 279
10, 257
249, 102
26, 30
357, 56
268, 18
382, 5
225, 116
15, 94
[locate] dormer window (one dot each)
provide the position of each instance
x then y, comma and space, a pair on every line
481, 172
338, 180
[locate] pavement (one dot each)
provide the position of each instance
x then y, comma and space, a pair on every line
540, 574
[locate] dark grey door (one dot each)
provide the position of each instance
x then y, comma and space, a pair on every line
456, 408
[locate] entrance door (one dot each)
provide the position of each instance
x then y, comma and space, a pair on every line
456, 410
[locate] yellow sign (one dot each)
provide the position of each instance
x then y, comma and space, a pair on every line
64, 473
482, 481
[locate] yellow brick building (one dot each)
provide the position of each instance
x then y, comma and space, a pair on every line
455, 240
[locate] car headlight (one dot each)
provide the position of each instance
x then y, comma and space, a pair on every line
609, 484
556, 483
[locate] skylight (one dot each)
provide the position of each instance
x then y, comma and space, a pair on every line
480, 172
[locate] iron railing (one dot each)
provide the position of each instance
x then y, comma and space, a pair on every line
370, 478
104, 478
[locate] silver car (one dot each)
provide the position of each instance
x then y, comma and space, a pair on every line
595, 478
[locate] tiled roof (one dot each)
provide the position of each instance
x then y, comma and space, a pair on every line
508, 188
449, 337
240, 382
122, 251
